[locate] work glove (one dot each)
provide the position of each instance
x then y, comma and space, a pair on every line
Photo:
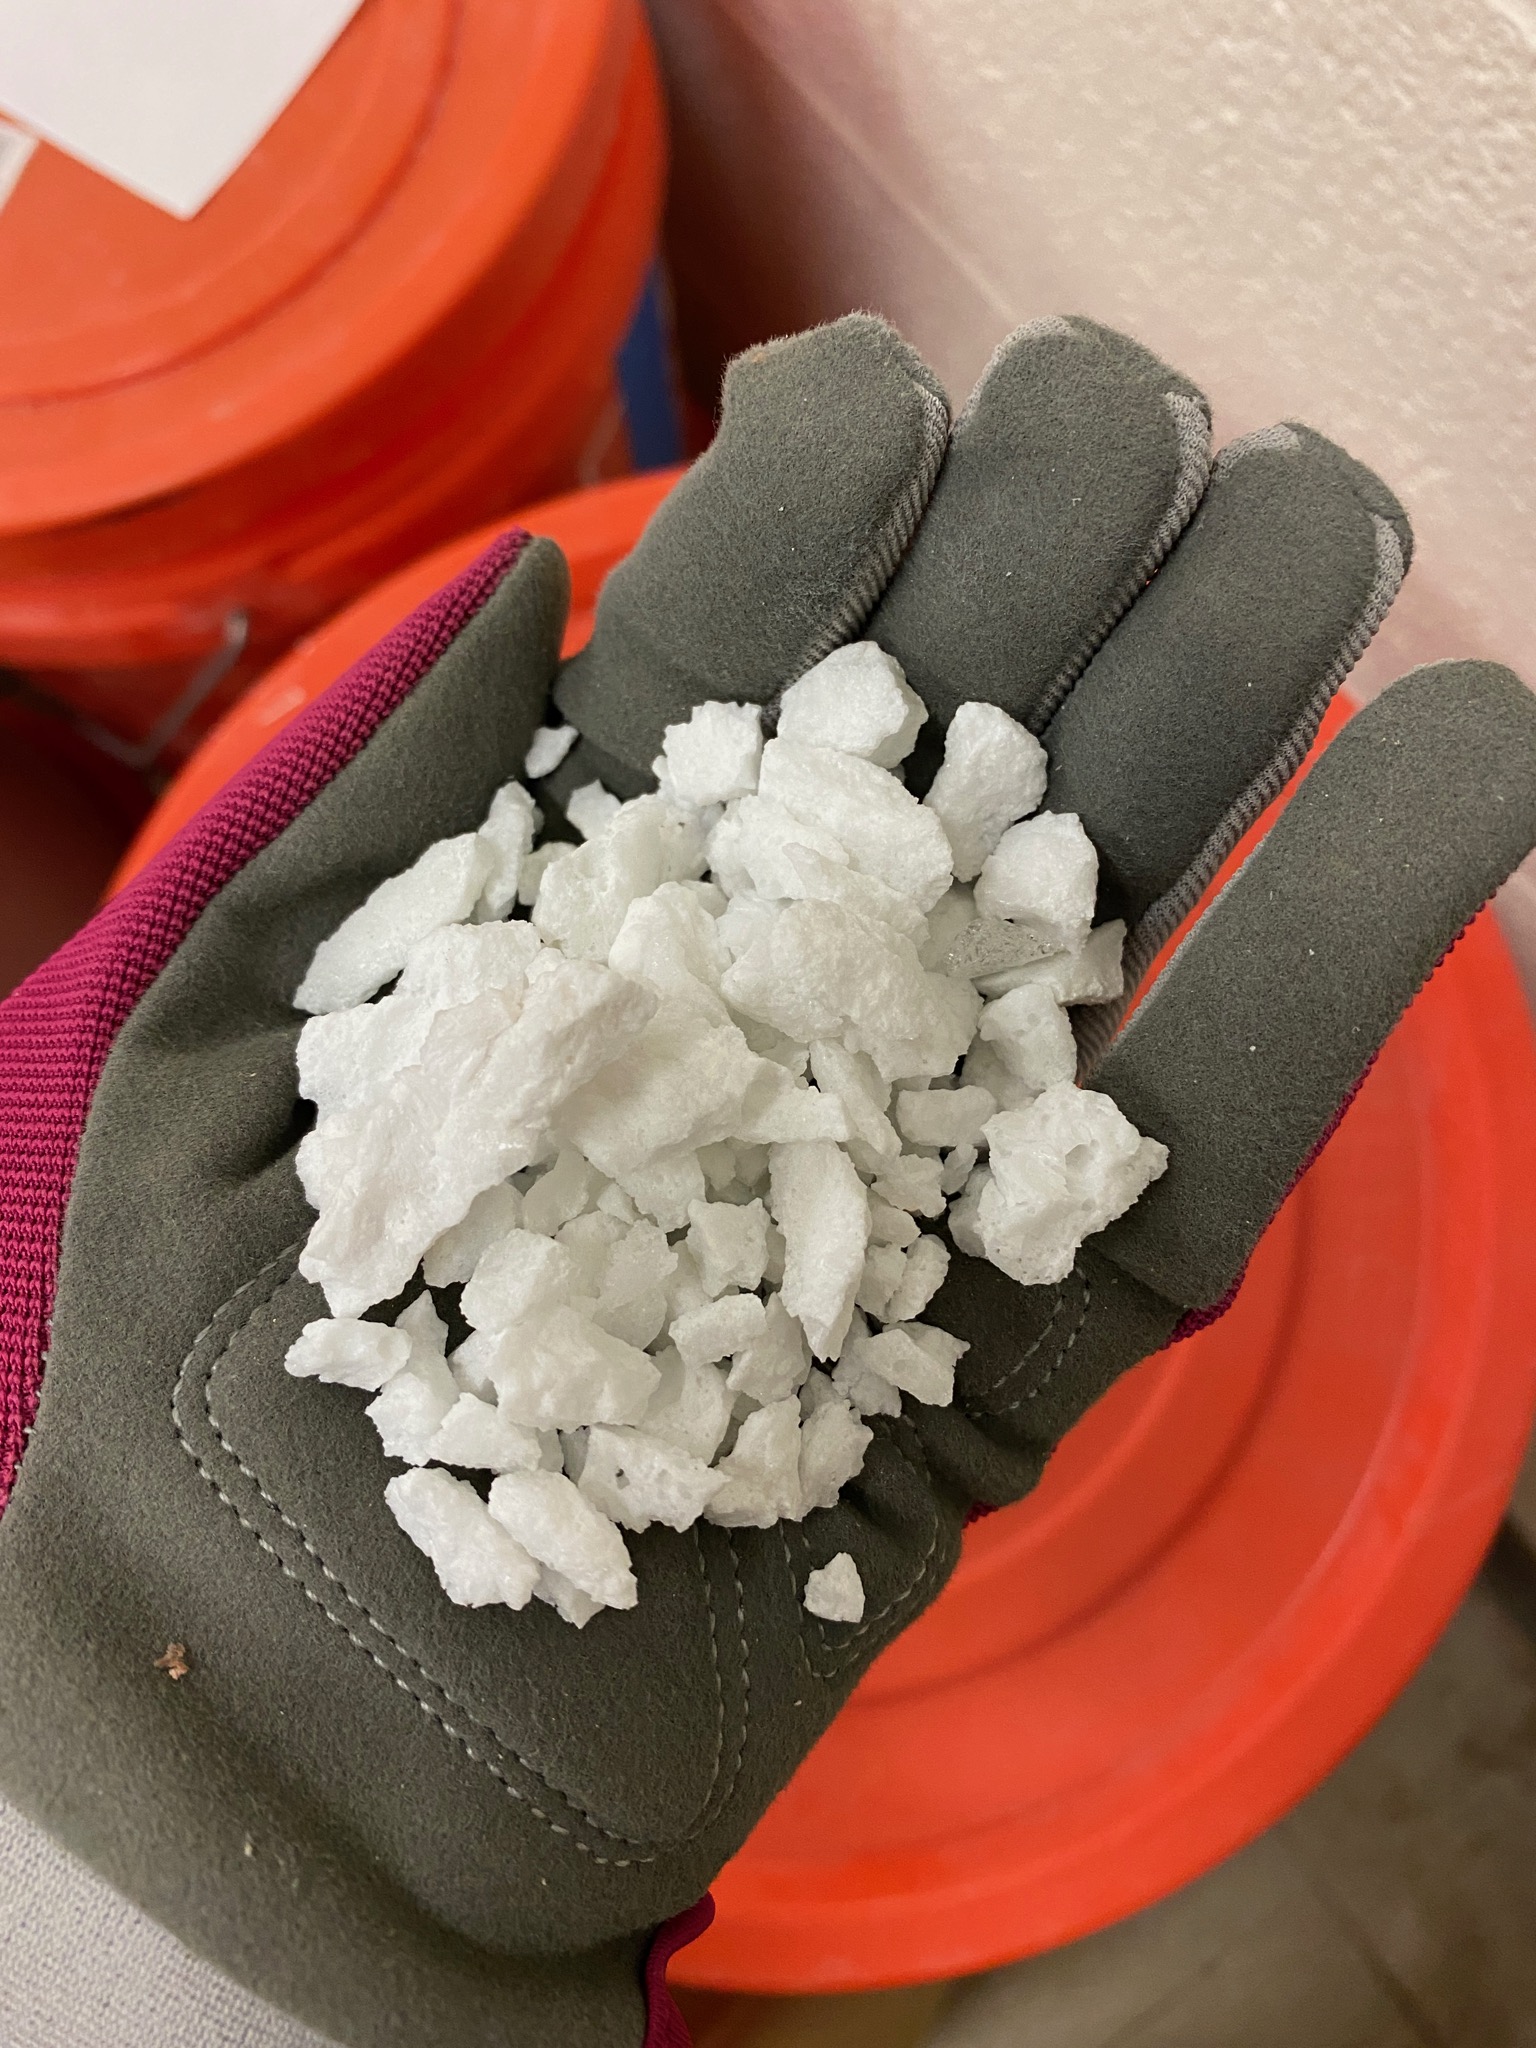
410, 1822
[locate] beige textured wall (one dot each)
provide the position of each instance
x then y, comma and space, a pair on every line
1317, 208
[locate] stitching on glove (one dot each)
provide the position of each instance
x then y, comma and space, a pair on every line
1193, 427
1062, 1355
716, 1794
1097, 1027
848, 1641
890, 542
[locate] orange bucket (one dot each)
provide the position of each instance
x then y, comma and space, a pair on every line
1233, 1562
398, 317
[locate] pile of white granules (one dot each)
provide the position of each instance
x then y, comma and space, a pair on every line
675, 1134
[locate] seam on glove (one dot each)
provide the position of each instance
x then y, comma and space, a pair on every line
717, 1793
1192, 425
812, 1631
1099, 1025
984, 1401
889, 544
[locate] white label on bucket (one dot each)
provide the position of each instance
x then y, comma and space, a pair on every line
15, 148
167, 97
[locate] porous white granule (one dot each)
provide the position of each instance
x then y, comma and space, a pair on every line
836, 1592
661, 1154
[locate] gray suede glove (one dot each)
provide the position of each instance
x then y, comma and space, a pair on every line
413, 1823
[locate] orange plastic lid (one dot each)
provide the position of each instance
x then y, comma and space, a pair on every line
1232, 1563
592, 527
438, 138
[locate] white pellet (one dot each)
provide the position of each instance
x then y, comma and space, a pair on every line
1043, 875
836, 1592
994, 773
348, 1353
371, 946
551, 744
857, 700
559, 1527
477, 1563
713, 756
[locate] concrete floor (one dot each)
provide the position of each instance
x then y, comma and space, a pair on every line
1395, 1908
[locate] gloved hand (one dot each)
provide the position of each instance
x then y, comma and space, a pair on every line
410, 1822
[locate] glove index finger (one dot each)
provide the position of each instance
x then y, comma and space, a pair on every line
1259, 1030
773, 549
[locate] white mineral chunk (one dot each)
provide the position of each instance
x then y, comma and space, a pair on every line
1060, 1170
1033, 1036
477, 1563
530, 876
413, 1407
635, 1479
885, 830
778, 1109
729, 1243
1043, 875
1095, 973
551, 744
425, 1329
557, 1525
912, 1183
691, 1406
884, 1265
762, 1471
714, 756
943, 1116
983, 1067
475, 1434
458, 962
718, 1329
856, 1081
959, 1164
522, 1274
822, 973
857, 700
820, 880
349, 1057
890, 1225
857, 1381
666, 1188
773, 1363
927, 1265
568, 1600
390, 1176
348, 1353
632, 1303
681, 1085
994, 772
670, 942
750, 849
508, 831
585, 893
818, 1201
454, 1256
832, 1445
562, 1191
744, 920
370, 947
915, 1359
836, 1592
591, 809
590, 1240
561, 1372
